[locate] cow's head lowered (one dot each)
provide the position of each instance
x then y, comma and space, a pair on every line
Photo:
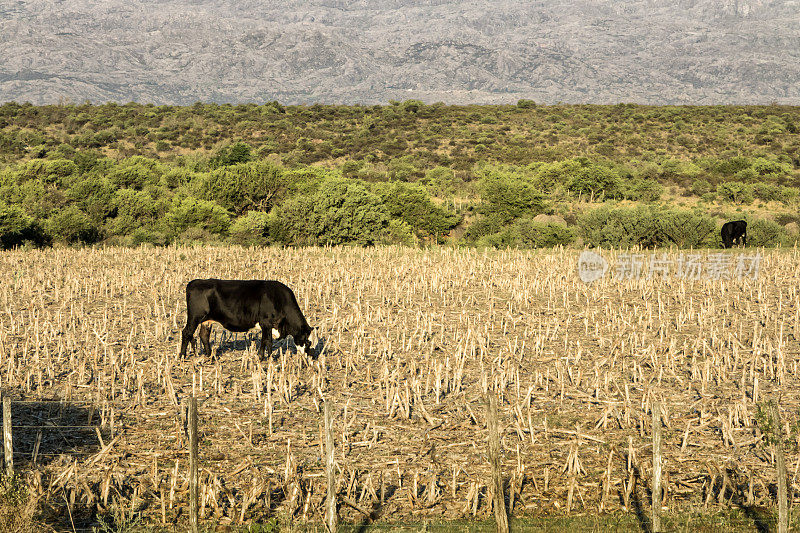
302, 338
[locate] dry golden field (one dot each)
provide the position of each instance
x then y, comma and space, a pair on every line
412, 340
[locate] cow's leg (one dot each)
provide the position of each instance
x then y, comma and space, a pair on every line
266, 340
205, 334
187, 336
744, 240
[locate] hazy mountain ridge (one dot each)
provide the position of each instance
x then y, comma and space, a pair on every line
179, 52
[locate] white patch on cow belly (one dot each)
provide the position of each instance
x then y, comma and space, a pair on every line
275, 333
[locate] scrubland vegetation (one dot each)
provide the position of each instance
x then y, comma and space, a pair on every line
520, 175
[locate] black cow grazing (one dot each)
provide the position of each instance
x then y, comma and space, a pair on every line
239, 305
734, 233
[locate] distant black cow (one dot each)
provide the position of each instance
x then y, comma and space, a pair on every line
239, 305
734, 233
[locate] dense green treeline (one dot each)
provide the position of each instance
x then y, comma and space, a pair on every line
410, 173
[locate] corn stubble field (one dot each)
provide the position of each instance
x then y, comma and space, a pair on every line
412, 340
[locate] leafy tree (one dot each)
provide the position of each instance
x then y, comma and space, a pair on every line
644, 190
506, 196
240, 188
736, 192
685, 228
233, 154
135, 173
17, 228
73, 226
596, 181
550, 175
411, 204
190, 212
251, 229
621, 227
527, 233
346, 212
94, 195
292, 222
440, 181
398, 232
701, 187
134, 209
764, 232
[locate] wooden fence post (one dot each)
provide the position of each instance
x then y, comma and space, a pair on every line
8, 442
330, 469
193, 507
498, 494
656, 488
780, 467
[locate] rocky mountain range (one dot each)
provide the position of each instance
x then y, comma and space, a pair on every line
373, 51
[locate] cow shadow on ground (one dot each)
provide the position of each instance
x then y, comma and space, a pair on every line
49, 436
225, 342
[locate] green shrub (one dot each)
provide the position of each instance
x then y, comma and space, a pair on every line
251, 229
440, 181
345, 212
17, 228
73, 226
621, 227
412, 204
597, 181
135, 173
240, 188
527, 233
645, 226
292, 221
94, 195
680, 171
770, 192
736, 192
644, 190
398, 232
482, 227
506, 196
148, 235
402, 169
232, 154
200, 214
764, 232
134, 209
709, 197
701, 187
547, 176
686, 229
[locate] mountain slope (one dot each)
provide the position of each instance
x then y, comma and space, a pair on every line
369, 51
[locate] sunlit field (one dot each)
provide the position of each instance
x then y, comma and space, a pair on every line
409, 343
